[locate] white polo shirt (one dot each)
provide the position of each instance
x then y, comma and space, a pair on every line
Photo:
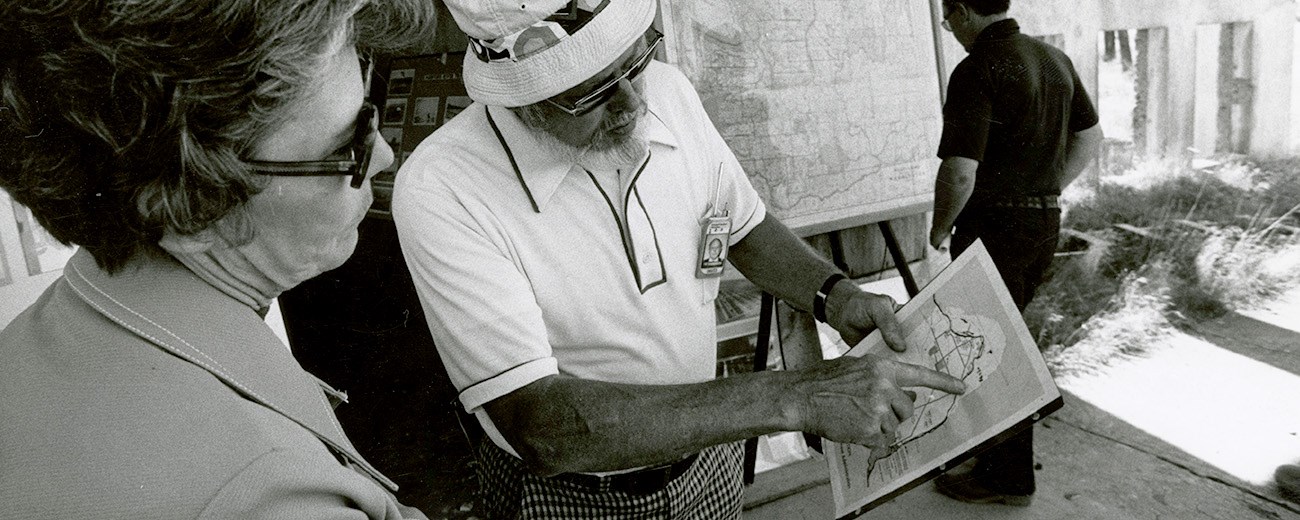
525, 275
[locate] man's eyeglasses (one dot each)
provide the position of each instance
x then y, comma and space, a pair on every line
602, 94
359, 150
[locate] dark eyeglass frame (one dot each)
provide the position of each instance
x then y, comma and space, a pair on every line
360, 150
602, 94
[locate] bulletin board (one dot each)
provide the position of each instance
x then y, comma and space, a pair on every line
421, 93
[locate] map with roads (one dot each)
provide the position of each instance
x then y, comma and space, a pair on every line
963, 323
832, 106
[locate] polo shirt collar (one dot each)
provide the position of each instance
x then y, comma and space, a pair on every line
999, 30
541, 170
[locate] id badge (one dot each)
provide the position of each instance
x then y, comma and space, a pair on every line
713, 247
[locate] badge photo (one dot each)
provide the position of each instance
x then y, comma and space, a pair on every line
713, 247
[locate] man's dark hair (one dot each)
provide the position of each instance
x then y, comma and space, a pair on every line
982, 7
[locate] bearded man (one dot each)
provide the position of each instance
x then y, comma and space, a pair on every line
557, 232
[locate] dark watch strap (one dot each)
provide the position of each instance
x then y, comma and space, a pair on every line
819, 299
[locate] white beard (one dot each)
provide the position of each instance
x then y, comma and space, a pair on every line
601, 154
622, 154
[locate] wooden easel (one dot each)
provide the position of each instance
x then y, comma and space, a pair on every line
767, 308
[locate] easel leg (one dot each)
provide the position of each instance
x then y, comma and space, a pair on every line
900, 262
761, 347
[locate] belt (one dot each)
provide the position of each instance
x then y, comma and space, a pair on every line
1030, 202
640, 482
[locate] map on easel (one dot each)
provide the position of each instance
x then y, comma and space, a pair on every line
965, 324
832, 107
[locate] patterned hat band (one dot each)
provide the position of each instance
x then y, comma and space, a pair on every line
539, 36
533, 61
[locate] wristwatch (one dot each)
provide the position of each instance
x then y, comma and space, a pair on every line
819, 299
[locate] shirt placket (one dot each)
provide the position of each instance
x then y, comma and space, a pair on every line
637, 232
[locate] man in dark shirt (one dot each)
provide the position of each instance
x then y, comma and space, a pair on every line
1018, 127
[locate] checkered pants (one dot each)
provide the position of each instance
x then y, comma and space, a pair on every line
710, 490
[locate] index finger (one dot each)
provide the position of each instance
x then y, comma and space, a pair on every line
908, 374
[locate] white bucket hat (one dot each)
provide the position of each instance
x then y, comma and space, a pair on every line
517, 57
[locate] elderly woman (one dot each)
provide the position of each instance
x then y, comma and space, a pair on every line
205, 156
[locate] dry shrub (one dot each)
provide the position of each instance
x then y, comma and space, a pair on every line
1243, 271
1217, 238
1133, 323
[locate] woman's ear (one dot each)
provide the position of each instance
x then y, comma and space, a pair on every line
196, 243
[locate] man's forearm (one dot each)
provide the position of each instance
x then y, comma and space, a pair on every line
568, 424
560, 424
1081, 150
953, 186
781, 263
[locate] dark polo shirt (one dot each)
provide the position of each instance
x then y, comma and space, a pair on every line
1012, 105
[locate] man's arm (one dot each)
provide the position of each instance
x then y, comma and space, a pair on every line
952, 188
1080, 151
560, 424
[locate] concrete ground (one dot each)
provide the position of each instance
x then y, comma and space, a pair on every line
1193, 430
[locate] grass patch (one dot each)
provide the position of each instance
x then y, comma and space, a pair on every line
1165, 247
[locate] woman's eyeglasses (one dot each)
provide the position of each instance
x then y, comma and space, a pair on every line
602, 94
361, 148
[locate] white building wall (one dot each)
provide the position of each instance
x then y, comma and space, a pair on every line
1080, 23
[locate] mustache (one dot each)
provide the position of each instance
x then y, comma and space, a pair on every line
619, 119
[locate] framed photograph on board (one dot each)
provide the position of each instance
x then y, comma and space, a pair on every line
400, 81
425, 112
42, 252
395, 111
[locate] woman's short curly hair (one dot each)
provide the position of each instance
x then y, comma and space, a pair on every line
123, 119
